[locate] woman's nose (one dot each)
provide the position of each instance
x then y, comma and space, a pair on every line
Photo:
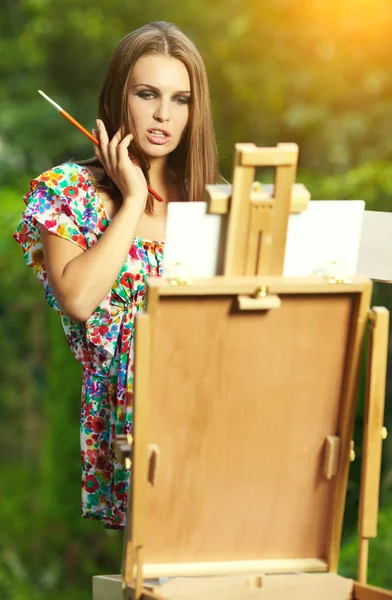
162, 112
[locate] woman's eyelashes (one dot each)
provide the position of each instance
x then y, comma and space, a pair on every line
150, 95
182, 99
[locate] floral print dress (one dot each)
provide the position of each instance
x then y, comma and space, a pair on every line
66, 203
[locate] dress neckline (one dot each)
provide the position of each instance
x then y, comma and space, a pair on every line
106, 216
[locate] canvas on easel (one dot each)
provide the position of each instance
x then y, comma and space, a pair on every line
234, 231
376, 246
327, 232
317, 234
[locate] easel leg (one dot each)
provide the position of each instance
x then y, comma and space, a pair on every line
374, 433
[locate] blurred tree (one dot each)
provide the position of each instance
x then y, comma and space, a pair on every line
314, 72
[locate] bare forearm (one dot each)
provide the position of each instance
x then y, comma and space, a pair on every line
88, 278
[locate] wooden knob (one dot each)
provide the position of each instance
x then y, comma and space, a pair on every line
352, 451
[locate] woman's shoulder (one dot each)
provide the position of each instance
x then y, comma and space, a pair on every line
68, 180
67, 189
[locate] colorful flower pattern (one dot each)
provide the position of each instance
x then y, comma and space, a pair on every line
64, 200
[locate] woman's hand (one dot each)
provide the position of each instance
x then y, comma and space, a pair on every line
125, 173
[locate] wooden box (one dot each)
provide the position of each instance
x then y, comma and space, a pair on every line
245, 399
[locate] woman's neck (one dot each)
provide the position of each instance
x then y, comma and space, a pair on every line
163, 179
159, 172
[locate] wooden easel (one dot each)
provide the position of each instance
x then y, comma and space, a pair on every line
257, 222
229, 483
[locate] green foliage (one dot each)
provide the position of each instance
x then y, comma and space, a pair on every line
371, 181
380, 550
309, 71
44, 544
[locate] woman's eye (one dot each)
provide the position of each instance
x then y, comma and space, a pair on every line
147, 95
182, 99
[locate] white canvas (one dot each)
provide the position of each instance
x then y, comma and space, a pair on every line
328, 231
375, 254
193, 239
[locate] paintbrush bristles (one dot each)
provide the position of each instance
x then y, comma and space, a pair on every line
54, 104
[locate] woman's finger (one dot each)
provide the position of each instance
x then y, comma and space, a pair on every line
97, 150
103, 135
132, 157
116, 139
103, 139
98, 153
112, 148
123, 148
95, 134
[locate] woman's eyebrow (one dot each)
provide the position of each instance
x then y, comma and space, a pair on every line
152, 87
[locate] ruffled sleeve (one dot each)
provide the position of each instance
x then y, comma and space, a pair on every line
55, 202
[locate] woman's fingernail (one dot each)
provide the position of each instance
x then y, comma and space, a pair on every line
97, 122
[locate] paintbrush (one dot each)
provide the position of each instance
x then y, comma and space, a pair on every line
85, 131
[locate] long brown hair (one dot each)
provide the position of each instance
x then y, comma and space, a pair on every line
194, 161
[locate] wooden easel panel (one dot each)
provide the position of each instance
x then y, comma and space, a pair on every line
243, 389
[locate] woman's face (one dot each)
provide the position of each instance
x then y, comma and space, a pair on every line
158, 103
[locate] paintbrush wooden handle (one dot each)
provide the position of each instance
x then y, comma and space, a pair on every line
80, 127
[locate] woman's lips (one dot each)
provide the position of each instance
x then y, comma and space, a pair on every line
157, 139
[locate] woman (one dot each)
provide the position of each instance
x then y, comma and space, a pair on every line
91, 224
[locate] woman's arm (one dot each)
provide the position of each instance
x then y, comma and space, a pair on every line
80, 279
